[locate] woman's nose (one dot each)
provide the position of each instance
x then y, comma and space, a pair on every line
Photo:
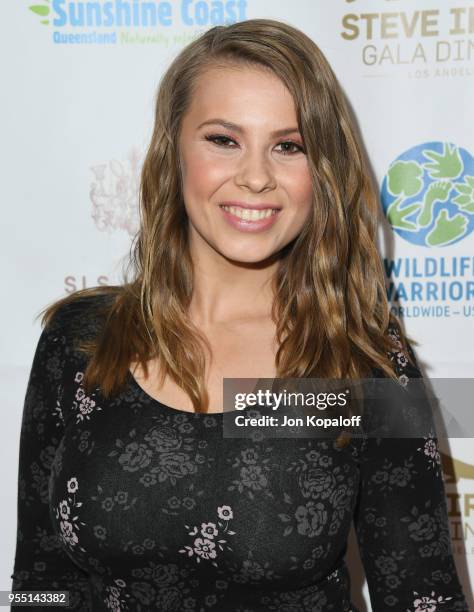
255, 171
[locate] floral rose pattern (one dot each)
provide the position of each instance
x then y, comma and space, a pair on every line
82, 404
131, 505
430, 603
208, 539
65, 513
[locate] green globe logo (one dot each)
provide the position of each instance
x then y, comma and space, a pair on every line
428, 194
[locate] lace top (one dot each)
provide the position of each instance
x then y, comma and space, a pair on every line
130, 504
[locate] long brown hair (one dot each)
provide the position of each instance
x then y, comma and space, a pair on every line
330, 306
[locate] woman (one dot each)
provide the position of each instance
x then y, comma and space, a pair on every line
129, 496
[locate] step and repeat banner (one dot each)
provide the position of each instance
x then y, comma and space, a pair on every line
79, 81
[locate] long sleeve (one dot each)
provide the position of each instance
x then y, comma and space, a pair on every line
41, 562
401, 521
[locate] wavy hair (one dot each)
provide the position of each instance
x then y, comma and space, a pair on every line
330, 306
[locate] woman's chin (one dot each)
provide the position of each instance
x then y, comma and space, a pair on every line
262, 257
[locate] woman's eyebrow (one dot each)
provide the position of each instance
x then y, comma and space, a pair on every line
237, 128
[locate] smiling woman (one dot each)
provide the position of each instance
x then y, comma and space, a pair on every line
221, 158
255, 258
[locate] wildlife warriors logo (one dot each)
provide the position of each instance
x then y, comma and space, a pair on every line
428, 194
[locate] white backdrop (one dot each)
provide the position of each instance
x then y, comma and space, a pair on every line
77, 109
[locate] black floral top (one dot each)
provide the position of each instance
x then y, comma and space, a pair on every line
133, 505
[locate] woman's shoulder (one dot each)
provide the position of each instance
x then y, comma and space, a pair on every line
81, 314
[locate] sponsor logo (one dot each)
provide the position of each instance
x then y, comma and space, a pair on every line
460, 502
134, 21
455, 469
421, 42
114, 194
428, 194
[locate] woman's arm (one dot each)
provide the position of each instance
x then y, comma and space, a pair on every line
401, 522
41, 562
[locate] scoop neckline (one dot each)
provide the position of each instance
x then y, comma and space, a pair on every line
154, 400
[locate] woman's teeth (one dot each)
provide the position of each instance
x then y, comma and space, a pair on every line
250, 214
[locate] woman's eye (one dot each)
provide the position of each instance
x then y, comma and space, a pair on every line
216, 139
221, 141
292, 144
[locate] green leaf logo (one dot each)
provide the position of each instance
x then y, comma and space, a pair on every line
428, 194
41, 10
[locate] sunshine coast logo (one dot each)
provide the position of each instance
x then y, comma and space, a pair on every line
427, 195
134, 21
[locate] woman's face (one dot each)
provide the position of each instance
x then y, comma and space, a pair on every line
244, 163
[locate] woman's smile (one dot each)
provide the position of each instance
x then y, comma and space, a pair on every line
249, 219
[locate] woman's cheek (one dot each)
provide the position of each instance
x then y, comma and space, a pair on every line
205, 173
298, 187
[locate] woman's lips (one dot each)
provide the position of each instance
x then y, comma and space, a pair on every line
249, 225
